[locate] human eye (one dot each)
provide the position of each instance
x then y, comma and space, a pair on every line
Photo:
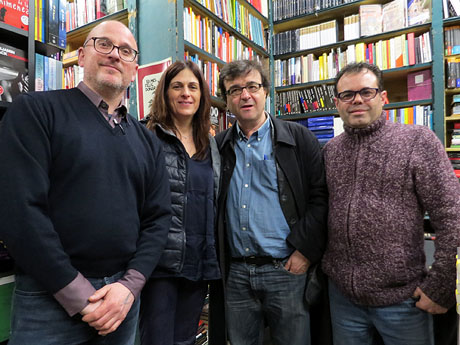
253, 87
126, 51
234, 91
194, 86
176, 86
367, 93
104, 43
346, 95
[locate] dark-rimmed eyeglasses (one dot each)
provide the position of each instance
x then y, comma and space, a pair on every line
105, 46
366, 94
238, 90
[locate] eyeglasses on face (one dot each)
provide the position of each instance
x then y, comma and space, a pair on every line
366, 94
105, 46
252, 87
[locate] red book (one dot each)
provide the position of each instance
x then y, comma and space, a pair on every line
411, 47
370, 47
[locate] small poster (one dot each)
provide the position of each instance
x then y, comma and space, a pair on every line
147, 80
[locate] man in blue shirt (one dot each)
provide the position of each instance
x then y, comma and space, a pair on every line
272, 213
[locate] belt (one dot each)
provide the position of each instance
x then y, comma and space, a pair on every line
257, 260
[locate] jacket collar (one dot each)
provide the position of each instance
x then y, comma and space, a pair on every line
279, 133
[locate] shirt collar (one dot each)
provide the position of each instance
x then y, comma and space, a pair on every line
259, 133
99, 102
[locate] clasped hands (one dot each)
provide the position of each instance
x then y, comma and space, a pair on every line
108, 308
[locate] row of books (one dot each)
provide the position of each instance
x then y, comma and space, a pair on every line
454, 158
50, 22
305, 38
210, 71
238, 17
372, 20
48, 73
452, 40
455, 105
417, 115
316, 98
403, 50
206, 35
451, 8
81, 12
225, 9
452, 75
72, 76
323, 127
285, 9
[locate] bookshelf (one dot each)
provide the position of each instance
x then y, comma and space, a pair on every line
24, 40
393, 74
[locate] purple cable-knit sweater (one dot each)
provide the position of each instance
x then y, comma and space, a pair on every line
381, 180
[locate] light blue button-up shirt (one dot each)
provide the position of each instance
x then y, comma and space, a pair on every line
256, 222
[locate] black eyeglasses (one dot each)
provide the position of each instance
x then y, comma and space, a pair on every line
251, 87
366, 94
105, 46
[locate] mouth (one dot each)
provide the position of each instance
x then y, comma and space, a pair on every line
246, 106
111, 67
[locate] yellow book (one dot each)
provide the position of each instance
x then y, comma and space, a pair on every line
384, 54
360, 52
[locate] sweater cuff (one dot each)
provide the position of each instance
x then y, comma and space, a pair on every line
74, 296
134, 281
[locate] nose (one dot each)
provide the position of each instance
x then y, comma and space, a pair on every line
358, 100
114, 54
245, 93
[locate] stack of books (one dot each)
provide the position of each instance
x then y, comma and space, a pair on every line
322, 127
454, 158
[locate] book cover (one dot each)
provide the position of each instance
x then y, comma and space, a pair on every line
418, 12
13, 72
419, 85
39, 72
62, 36
370, 19
147, 79
53, 22
394, 15
15, 13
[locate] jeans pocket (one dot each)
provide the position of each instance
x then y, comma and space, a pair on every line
289, 272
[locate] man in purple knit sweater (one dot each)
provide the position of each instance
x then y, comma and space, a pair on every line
382, 177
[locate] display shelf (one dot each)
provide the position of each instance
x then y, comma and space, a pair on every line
204, 55
416, 29
322, 15
207, 13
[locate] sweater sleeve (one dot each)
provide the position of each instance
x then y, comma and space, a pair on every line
155, 216
438, 191
26, 228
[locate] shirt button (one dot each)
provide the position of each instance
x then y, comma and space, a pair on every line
249, 145
258, 139
246, 185
247, 249
244, 206
248, 164
243, 228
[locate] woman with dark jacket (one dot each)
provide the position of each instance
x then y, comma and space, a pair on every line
172, 299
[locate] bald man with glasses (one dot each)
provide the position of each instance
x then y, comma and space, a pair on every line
85, 202
382, 177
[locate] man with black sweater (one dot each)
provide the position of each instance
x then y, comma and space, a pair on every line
85, 204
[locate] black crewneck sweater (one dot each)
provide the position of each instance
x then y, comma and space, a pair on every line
77, 194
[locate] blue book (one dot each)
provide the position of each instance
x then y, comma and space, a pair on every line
53, 22
62, 33
39, 72
46, 72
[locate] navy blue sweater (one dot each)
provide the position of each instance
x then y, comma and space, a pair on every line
77, 194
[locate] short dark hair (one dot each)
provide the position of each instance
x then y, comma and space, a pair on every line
356, 67
235, 69
161, 112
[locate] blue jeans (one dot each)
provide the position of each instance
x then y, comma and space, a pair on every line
170, 311
255, 293
37, 318
397, 324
